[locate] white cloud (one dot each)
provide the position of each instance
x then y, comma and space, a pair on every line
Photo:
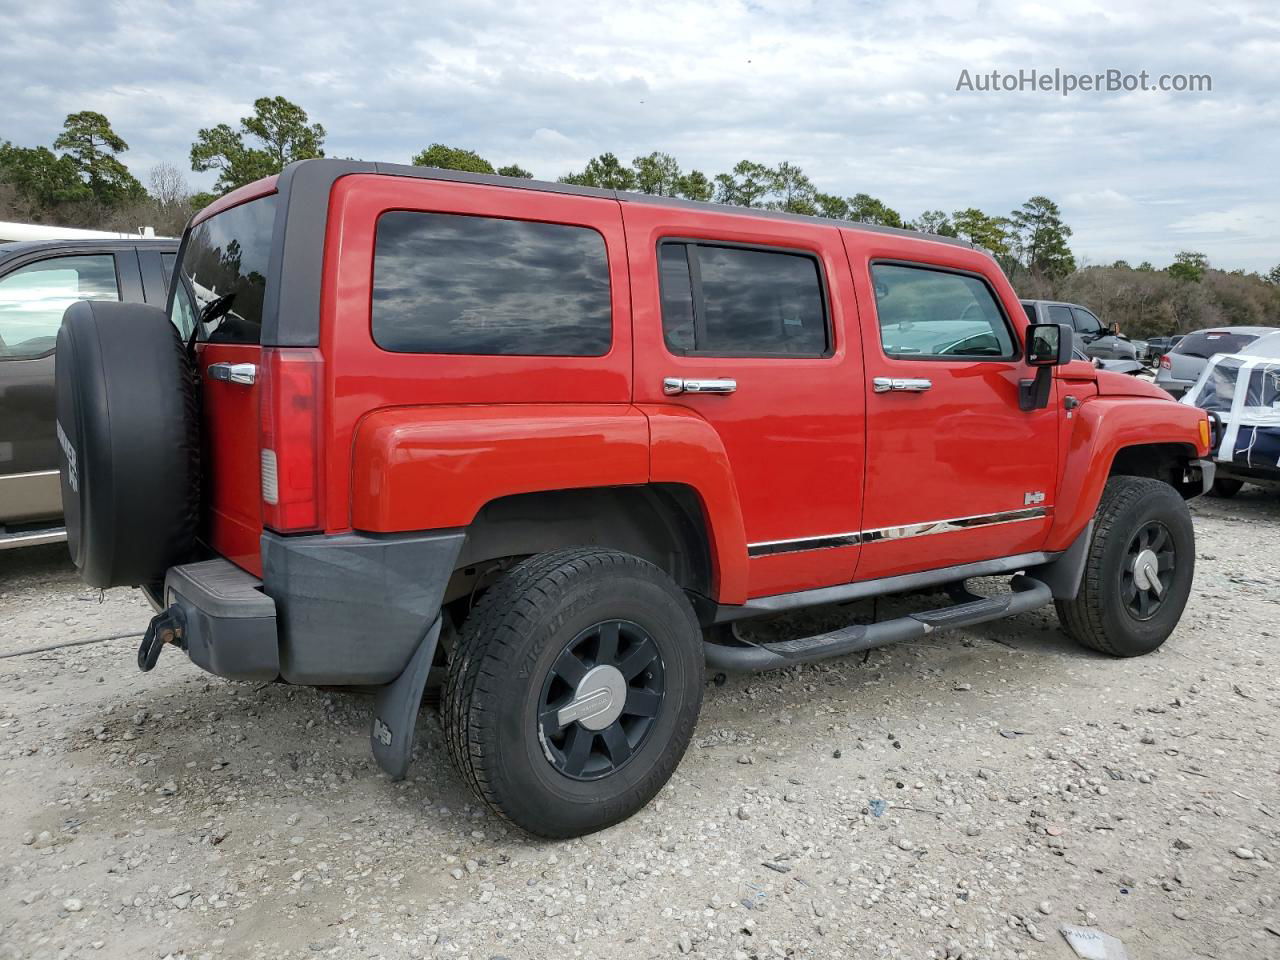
862, 96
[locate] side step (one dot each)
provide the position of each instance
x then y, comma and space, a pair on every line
1028, 594
32, 538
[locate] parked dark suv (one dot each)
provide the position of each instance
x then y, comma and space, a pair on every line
1095, 338
38, 281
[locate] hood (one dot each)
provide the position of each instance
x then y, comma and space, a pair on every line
1122, 385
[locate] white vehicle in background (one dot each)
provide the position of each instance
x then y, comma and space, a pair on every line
1242, 392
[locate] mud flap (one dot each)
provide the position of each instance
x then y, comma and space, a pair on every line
395, 708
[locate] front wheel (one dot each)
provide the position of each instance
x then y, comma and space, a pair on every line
574, 690
1138, 574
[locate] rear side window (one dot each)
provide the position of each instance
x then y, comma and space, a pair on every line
1060, 314
738, 301
445, 283
34, 297
1206, 343
224, 271
936, 313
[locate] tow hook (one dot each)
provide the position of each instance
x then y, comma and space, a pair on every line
168, 626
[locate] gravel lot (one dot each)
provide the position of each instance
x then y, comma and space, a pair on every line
960, 797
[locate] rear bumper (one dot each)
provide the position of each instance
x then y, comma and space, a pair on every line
346, 609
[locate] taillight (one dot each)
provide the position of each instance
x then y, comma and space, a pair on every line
289, 437
1166, 363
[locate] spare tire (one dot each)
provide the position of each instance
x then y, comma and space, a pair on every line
129, 442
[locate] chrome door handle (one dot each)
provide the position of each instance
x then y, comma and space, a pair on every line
242, 373
900, 384
674, 385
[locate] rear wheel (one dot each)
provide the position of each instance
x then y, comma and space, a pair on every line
574, 690
1139, 570
1225, 487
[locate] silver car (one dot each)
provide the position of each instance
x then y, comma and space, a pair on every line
1180, 368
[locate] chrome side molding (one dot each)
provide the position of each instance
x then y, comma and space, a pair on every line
828, 541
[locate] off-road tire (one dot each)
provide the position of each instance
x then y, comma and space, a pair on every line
1225, 487
505, 652
1098, 616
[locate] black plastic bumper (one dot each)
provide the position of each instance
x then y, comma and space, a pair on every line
347, 609
230, 625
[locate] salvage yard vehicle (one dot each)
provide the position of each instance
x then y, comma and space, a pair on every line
1242, 392
38, 281
1181, 367
554, 441
1095, 339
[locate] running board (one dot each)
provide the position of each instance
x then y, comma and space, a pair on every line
32, 538
1028, 594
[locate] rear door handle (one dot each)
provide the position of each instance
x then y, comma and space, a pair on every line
900, 384
244, 374
675, 385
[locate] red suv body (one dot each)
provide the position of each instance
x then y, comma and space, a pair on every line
427, 377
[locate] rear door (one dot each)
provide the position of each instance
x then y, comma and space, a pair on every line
956, 472
34, 293
759, 309
227, 256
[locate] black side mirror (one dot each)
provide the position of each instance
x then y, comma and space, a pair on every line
1048, 345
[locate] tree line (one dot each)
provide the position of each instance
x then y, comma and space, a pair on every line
81, 181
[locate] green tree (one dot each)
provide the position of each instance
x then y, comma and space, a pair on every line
865, 208
1189, 266
744, 186
657, 173
92, 145
792, 190
829, 205
452, 158
283, 134
1040, 237
935, 222
40, 177
1145, 266
695, 185
605, 171
515, 170
1273, 276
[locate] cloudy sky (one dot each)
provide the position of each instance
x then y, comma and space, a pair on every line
861, 95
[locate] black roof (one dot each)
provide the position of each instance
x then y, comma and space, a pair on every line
21, 247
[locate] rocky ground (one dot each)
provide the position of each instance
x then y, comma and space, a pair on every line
961, 797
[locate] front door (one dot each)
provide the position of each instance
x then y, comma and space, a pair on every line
956, 471
760, 312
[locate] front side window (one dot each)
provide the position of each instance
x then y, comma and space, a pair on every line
927, 312
223, 275
1087, 323
452, 284
738, 301
34, 297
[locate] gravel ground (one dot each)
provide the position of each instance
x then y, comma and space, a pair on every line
960, 797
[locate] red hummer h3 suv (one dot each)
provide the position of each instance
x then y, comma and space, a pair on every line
553, 441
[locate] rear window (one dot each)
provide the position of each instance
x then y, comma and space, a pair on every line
1208, 342
445, 283
226, 256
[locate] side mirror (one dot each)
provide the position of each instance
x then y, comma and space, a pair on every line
1048, 345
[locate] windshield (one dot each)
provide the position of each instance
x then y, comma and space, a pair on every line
1208, 342
226, 256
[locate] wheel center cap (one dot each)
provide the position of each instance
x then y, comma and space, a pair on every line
1146, 570
599, 699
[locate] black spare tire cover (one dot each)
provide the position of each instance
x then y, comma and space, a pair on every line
129, 442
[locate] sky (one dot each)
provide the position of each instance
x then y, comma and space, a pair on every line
863, 96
